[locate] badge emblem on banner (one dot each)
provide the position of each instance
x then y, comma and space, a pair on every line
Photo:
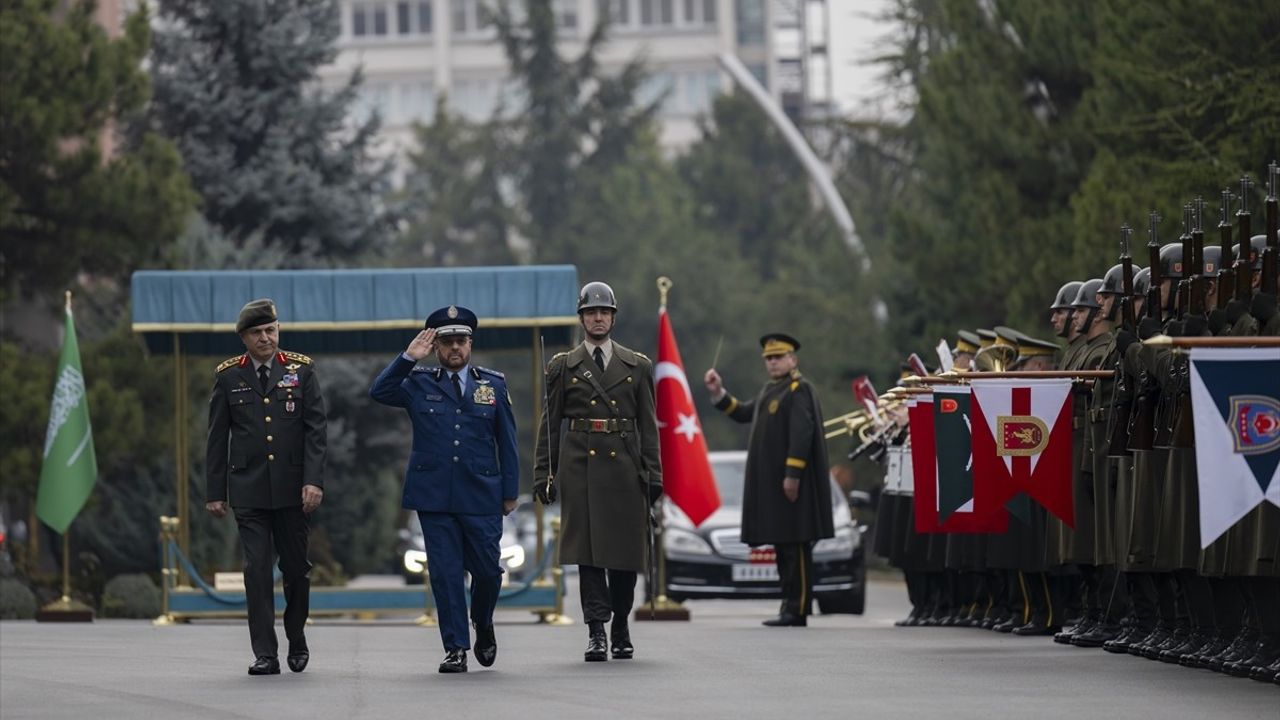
1255, 424
1020, 435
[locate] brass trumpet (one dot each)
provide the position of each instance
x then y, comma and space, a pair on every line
995, 358
860, 422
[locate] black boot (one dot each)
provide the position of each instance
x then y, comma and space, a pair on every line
455, 661
597, 644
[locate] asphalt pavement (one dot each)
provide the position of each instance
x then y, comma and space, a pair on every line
721, 664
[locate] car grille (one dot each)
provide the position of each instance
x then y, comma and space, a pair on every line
728, 543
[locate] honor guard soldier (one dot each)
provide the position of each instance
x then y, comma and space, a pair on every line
462, 476
786, 500
265, 458
606, 470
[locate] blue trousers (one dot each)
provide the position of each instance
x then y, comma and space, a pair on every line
458, 544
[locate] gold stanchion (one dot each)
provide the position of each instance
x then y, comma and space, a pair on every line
556, 616
167, 533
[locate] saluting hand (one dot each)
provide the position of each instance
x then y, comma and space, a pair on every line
423, 345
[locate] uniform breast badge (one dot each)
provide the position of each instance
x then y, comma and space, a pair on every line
289, 406
288, 381
773, 407
484, 395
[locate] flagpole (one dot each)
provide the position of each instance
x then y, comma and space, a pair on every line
64, 609
662, 607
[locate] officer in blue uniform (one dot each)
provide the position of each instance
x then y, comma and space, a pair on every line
462, 476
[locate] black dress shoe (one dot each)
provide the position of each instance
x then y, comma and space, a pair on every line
786, 620
597, 646
486, 645
265, 666
1097, 635
298, 660
455, 661
620, 641
910, 620
1036, 628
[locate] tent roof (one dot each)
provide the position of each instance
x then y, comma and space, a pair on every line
354, 311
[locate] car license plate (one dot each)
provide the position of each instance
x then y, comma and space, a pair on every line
755, 573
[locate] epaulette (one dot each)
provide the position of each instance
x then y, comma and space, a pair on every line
642, 356
560, 356
296, 357
229, 363
488, 371
420, 368
795, 380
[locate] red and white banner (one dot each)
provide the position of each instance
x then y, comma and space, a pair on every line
686, 471
1022, 441
865, 393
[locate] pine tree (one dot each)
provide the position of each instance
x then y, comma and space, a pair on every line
65, 208
270, 150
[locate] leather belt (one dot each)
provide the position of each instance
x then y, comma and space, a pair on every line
605, 425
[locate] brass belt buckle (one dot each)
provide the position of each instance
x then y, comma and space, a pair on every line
599, 425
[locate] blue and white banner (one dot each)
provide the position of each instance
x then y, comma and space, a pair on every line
1235, 398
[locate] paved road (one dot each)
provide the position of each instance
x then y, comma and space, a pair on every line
720, 665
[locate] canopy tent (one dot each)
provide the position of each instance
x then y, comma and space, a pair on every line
193, 312
352, 311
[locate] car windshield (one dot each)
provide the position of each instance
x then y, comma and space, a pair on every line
729, 478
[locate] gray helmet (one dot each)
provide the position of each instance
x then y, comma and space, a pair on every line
596, 295
1212, 260
1066, 295
1113, 281
1171, 262
1259, 243
1085, 298
1142, 282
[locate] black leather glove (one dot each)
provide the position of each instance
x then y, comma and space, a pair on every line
1195, 326
1174, 328
1148, 328
1263, 308
1124, 339
655, 493
543, 493
1235, 310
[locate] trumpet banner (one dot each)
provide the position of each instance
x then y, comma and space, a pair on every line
1235, 402
1022, 442
939, 469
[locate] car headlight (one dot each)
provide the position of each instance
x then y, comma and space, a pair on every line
683, 542
512, 556
841, 544
415, 561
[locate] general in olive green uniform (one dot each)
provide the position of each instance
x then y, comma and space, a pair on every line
265, 457
786, 450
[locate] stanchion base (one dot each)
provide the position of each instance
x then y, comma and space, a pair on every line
163, 621
425, 620
663, 609
65, 610
554, 618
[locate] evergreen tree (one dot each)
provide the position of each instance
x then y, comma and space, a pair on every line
64, 207
268, 148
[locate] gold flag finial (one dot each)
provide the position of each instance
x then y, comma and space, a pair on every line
664, 286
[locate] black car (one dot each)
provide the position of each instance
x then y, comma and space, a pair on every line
710, 561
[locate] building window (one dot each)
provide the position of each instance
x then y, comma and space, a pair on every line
358, 27
750, 22
616, 11
566, 13
380, 20
404, 23
657, 12
424, 17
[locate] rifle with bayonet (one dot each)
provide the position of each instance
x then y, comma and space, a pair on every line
1143, 417
1227, 272
1271, 256
1244, 265
1198, 299
1180, 422
1122, 391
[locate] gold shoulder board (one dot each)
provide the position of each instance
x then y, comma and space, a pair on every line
297, 357
228, 363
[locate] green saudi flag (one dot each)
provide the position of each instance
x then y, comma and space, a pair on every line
70, 467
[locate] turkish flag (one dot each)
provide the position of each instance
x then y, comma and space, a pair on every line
686, 471
1022, 441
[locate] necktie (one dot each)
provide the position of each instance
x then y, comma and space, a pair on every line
457, 387
599, 356
264, 377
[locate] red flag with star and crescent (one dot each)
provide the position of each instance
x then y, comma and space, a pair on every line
686, 471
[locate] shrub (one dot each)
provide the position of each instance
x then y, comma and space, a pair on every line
131, 596
17, 602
